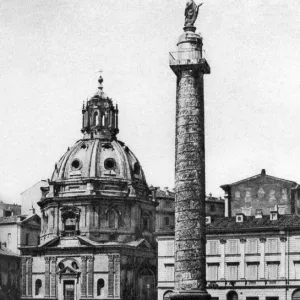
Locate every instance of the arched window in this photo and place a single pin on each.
(100, 286)
(146, 221)
(70, 222)
(167, 221)
(167, 295)
(38, 287)
(96, 119)
(112, 219)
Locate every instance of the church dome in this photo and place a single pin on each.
(99, 164)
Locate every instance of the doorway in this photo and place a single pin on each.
(232, 295)
(69, 290)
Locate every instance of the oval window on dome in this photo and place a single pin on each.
(109, 164)
(75, 164)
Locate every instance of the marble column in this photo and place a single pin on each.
(90, 276)
(47, 276)
(83, 276)
(190, 256)
(29, 276)
(110, 276)
(262, 258)
(117, 271)
(53, 277)
(24, 260)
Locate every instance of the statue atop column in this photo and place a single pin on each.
(191, 13)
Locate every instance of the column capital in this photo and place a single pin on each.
(243, 240)
(223, 241)
(83, 258)
(262, 239)
(53, 259)
(47, 259)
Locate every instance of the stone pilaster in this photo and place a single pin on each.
(283, 240)
(24, 260)
(83, 276)
(53, 276)
(222, 265)
(117, 271)
(47, 276)
(262, 258)
(90, 277)
(110, 276)
(29, 276)
(242, 263)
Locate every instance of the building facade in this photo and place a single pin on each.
(22, 230)
(10, 274)
(263, 193)
(7, 210)
(165, 211)
(97, 219)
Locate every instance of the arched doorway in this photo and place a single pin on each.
(296, 295)
(167, 295)
(232, 295)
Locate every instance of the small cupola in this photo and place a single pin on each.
(100, 116)
(239, 218)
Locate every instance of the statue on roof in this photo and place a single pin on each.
(191, 13)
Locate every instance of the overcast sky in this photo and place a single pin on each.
(50, 53)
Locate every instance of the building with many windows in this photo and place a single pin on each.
(247, 258)
(263, 193)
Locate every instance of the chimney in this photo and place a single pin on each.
(207, 219)
(166, 189)
(258, 214)
(226, 199)
(273, 215)
(263, 172)
(239, 218)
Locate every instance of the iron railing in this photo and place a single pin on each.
(186, 55)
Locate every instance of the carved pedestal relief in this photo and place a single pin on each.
(24, 259)
(90, 276)
(110, 276)
(53, 277)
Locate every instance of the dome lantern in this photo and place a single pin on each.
(100, 116)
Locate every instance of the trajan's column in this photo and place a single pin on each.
(190, 67)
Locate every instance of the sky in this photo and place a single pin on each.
(51, 52)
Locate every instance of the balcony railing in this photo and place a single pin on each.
(186, 55)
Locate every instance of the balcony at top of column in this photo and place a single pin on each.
(190, 59)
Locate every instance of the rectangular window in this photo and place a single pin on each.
(252, 246)
(272, 271)
(252, 271)
(233, 247)
(170, 249)
(232, 272)
(297, 270)
(297, 243)
(272, 246)
(27, 239)
(252, 298)
(8, 239)
(212, 272)
(169, 272)
(213, 247)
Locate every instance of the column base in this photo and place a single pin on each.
(190, 295)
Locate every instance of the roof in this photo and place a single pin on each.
(262, 174)
(7, 252)
(228, 224)
(18, 218)
(42, 182)
(164, 193)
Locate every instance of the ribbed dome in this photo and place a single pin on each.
(95, 158)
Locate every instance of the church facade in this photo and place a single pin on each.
(98, 220)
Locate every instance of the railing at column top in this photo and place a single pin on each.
(191, 54)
